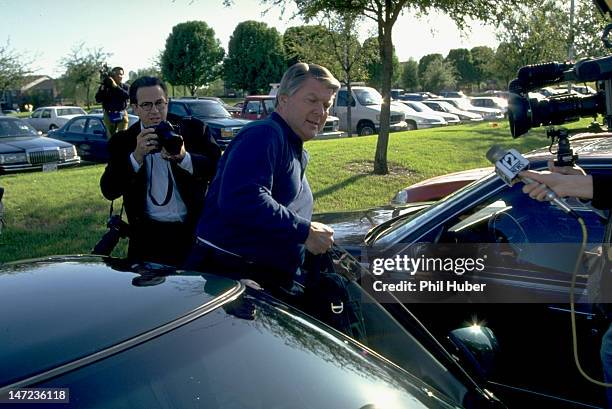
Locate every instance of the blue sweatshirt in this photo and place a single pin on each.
(259, 204)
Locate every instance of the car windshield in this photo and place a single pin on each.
(463, 103)
(15, 127)
(209, 109)
(70, 111)
(388, 233)
(368, 96)
(420, 107)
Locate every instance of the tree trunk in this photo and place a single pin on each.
(386, 53)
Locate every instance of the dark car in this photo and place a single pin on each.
(23, 148)
(529, 250)
(88, 134)
(104, 333)
(218, 122)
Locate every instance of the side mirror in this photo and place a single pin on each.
(476, 346)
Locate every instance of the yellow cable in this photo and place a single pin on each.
(573, 310)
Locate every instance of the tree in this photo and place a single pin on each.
(426, 60)
(410, 75)
(349, 54)
(13, 67)
(192, 56)
(482, 58)
(532, 35)
(438, 76)
(588, 26)
(374, 66)
(461, 60)
(255, 57)
(83, 68)
(311, 44)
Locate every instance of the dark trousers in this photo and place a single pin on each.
(160, 242)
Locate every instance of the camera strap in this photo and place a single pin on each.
(110, 211)
(169, 189)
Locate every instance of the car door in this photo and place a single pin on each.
(95, 142)
(45, 119)
(268, 105)
(74, 133)
(529, 250)
(35, 120)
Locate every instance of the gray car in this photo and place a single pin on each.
(47, 118)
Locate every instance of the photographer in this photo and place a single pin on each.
(162, 184)
(114, 96)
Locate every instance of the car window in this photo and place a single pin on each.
(269, 103)
(94, 125)
(253, 107)
(368, 96)
(342, 99)
(70, 111)
(77, 126)
(177, 109)
(46, 113)
(36, 114)
(15, 127)
(208, 108)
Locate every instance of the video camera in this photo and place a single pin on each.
(117, 229)
(105, 74)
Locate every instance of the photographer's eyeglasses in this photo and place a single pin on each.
(159, 105)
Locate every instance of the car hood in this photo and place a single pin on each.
(351, 227)
(223, 122)
(23, 143)
(65, 322)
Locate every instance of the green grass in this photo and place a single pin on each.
(64, 212)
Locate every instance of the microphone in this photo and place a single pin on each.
(508, 165)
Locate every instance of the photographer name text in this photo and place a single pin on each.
(429, 286)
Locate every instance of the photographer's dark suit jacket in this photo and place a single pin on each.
(119, 178)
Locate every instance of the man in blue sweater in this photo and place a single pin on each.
(256, 217)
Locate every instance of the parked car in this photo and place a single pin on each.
(9, 112)
(443, 106)
(23, 148)
(235, 111)
(365, 111)
(530, 249)
(47, 118)
(219, 123)
(396, 93)
(464, 104)
(114, 334)
(88, 134)
(261, 106)
(418, 120)
(452, 94)
(451, 119)
(491, 102)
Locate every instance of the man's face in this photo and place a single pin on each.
(118, 76)
(152, 106)
(306, 111)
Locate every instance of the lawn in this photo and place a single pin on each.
(64, 212)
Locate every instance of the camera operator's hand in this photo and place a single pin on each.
(110, 82)
(146, 142)
(320, 238)
(174, 158)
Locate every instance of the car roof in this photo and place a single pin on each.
(260, 97)
(87, 304)
(59, 106)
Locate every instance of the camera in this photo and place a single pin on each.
(105, 74)
(117, 229)
(525, 113)
(168, 138)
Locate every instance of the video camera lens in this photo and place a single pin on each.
(525, 113)
(168, 139)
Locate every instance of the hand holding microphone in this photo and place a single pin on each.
(511, 166)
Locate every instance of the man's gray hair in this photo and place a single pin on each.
(295, 76)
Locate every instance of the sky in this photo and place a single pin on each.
(135, 31)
